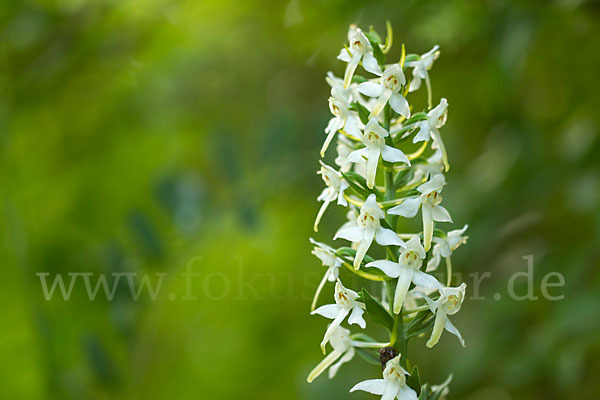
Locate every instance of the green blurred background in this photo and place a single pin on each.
(147, 135)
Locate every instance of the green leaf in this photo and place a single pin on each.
(412, 192)
(424, 393)
(377, 53)
(349, 252)
(359, 185)
(355, 185)
(422, 323)
(414, 380)
(416, 117)
(439, 233)
(356, 178)
(412, 57)
(368, 355)
(362, 337)
(363, 113)
(403, 177)
(373, 36)
(358, 78)
(378, 313)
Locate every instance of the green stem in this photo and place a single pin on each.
(398, 334)
(402, 342)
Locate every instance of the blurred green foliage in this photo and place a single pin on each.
(147, 135)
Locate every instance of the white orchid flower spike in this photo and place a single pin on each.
(368, 227)
(429, 201)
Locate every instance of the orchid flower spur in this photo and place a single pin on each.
(429, 201)
(449, 303)
(421, 66)
(345, 303)
(374, 141)
(407, 271)
(444, 247)
(343, 349)
(360, 49)
(380, 178)
(388, 89)
(367, 229)
(392, 386)
(429, 128)
(334, 190)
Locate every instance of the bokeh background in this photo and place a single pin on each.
(143, 136)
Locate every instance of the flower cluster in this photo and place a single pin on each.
(390, 166)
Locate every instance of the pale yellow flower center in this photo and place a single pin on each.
(433, 198)
(365, 220)
(373, 139)
(391, 82)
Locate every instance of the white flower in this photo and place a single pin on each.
(345, 303)
(444, 247)
(388, 88)
(429, 200)
(342, 118)
(407, 271)
(327, 256)
(343, 346)
(434, 164)
(334, 190)
(436, 118)
(448, 303)
(392, 386)
(344, 148)
(352, 217)
(368, 228)
(374, 141)
(421, 66)
(338, 90)
(360, 49)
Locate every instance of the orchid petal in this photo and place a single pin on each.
(370, 89)
(400, 105)
(389, 268)
(357, 317)
(440, 214)
(425, 280)
(370, 64)
(392, 154)
(374, 386)
(387, 237)
(330, 311)
(352, 234)
(408, 208)
(404, 281)
(452, 329)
